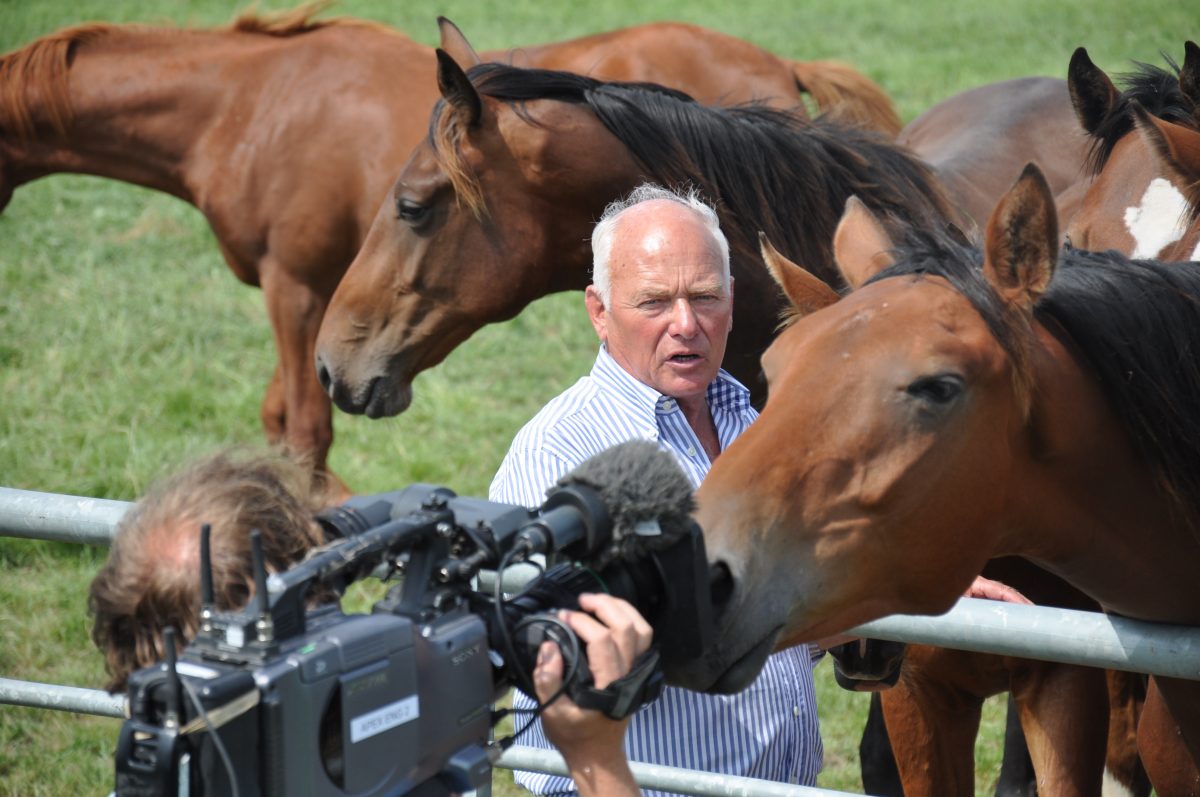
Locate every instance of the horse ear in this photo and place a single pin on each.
(1189, 76)
(1178, 146)
(1092, 93)
(456, 87)
(861, 247)
(806, 293)
(456, 45)
(1021, 245)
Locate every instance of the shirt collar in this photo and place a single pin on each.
(724, 392)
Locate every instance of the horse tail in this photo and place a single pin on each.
(40, 70)
(845, 94)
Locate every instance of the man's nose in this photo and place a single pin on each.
(683, 319)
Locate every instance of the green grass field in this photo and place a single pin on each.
(127, 347)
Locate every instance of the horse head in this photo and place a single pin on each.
(892, 417)
(1145, 155)
(491, 211)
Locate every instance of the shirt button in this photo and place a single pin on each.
(795, 711)
(691, 451)
(793, 779)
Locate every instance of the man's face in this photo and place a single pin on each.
(671, 310)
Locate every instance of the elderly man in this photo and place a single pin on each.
(662, 305)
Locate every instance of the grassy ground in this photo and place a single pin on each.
(126, 346)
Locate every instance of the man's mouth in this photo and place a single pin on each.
(684, 358)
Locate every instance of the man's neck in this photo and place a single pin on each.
(699, 417)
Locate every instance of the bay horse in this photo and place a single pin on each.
(495, 208)
(1145, 152)
(977, 142)
(930, 699)
(285, 132)
(959, 405)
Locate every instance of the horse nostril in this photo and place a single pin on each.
(323, 376)
(720, 583)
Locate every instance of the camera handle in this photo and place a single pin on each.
(642, 684)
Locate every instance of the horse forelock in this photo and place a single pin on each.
(446, 135)
(1155, 89)
(1134, 323)
(960, 264)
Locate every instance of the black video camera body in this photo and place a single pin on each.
(283, 699)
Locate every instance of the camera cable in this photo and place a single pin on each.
(226, 761)
(525, 678)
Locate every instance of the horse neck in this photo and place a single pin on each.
(1085, 506)
(139, 101)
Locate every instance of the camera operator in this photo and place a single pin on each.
(151, 581)
(151, 578)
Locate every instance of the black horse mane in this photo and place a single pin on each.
(1155, 89)
(1133, 324)
(765, 169)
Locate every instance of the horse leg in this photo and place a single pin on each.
(932, 725)
(1163, 741)
(274, 408)
(1017, 776)
(876, 760)
(1124, 775)
(295, 310)
(1064, 713)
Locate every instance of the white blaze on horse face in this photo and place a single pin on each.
(1158, 221)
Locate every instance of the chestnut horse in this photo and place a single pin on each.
(958, 406)
(1146, 153)
(495, 208)
(978, 141)
(285, 133)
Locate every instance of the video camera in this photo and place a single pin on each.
(282, 699)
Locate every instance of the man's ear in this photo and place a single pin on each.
(597, 313)
(731, 301)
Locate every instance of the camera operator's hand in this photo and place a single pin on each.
(615, 635)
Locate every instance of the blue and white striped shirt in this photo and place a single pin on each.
(770, 729)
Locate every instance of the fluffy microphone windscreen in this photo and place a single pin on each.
(647, 495)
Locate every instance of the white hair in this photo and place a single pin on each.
(602, 235)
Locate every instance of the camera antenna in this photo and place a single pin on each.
(207, 597)
(173, 689)
(262, 602)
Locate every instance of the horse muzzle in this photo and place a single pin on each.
(376, 396)
(867, 665)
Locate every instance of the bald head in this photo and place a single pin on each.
(649, 218)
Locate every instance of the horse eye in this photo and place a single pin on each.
(941, 389)
(409, 211)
